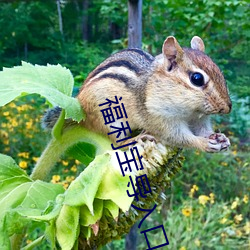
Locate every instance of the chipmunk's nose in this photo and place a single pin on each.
(230, 106)
(227, 108)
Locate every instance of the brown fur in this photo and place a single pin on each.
(158, 95)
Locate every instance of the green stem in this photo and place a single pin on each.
(57, 147)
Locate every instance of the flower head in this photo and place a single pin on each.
(23, 164)
(186, 211)
(73, 168)
(65, 163)
(247, 227)
(193, 190)
(223, 220)
(203, 199)
(245, 199)
(238, 218)
(55, 178)
(211, 195)
(235, 203)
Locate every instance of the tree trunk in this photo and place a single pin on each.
(134, 41)
(131, 238)
(59, 16)
(135, 23)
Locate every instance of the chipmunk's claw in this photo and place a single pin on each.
(145, 137)
(218, 142)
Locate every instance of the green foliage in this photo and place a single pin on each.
(52, 82)
(205, 223)
(81, 58)
(223, 25)
(238, 121)
(19, 198)
(30, 32)
(232, 166)
(208, 205)
(83, 152)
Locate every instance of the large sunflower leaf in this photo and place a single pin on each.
(53, 82)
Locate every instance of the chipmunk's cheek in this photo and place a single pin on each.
(208, 109)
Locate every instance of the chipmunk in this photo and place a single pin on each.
(169, 97)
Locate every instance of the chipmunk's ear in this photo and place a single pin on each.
(197, 43)
(171, 49)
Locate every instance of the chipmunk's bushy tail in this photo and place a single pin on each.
(50, 117)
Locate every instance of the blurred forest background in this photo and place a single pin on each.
(208, 204)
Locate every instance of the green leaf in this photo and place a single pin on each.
(20, 198)
(9, 168)
(14, 223)
(26, 202)
(11, 200)
(86, 218)
(50, 213)
(114, 187)
(83, 152)
(53, 82)
(83, 189)
(86, 231)
(112, 208)
(11, 183)
(102, 180)
(14, 198)
(39, 194)
(50, 234)
(4, 240)
(67, 226)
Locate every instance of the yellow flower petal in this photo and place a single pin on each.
(73, 168)
(203, 199)
(234, 205)
(56, 178)
(245, 199)
(238, 218)
(65, 163)
(223, 220)
(247, 227)
(23, 164)
(186, 211)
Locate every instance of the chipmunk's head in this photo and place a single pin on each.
(199, 78)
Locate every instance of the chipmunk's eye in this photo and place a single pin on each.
(197, 79)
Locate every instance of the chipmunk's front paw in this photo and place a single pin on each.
(141, 139)
(145, 137)
(218, 142)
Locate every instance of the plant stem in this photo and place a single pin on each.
(57, 147)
